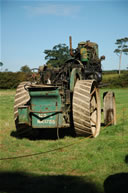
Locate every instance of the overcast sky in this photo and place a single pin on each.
(30, 27)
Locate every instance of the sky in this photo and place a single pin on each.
(28, 27)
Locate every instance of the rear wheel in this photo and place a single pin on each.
(21, 98)
(86, 108)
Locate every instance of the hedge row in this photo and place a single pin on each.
(117, 82)
(9, 80)
(114, 71)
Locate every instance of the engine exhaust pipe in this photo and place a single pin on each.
(70, 42)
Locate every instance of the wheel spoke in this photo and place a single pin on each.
(93, 92)
(93, 121)
(93, 111)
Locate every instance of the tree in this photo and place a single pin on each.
(6, 70)
(25, 69)
(122, 47)
(58, 55)
(1, 64)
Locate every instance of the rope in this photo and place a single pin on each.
(45, 152)
(49, 151)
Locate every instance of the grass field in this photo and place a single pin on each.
(86, 166)
(109, 76)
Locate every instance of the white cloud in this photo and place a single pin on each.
(53, 9)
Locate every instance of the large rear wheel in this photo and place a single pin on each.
(21, 98)
(86, 108)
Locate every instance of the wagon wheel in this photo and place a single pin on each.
(109, 108)
(86, 108)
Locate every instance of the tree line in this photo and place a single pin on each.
(10, 80)
(55, 57)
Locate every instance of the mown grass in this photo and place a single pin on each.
(82, 167)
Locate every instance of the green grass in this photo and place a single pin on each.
(82, 167)
(109, 76)
(116, 81)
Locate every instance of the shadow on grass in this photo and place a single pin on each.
(46, 134)
(126, 159)
(19, 182)
(117, 183)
